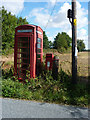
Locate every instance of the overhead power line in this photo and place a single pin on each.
(50, 15)
(21, 12)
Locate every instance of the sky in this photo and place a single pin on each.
(51, 16)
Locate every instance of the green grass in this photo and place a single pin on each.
(57, 50)
(10, 63)
(49, 50)
(7, 51)
(45, 88)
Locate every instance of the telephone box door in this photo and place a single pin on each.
(23, 55)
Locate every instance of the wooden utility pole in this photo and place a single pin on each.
(74, 43)
(72, 15)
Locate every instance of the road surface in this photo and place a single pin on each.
(29, 109)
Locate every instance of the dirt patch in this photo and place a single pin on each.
(7, 58)
(65, 61)
(7, 61)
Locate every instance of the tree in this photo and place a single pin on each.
(50, 44)
(62, 41)
(80, 45)
(21, 21)
(45, 41)
(9, 22)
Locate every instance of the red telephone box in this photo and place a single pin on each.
(49, 61)
(28, 50)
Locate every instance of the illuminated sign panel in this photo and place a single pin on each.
(24, 30)
(39, 32)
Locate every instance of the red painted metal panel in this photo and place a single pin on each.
(15, 57)
(31, 60)
(40, 35)
(31, 32)
(34, 52)
(49, 61)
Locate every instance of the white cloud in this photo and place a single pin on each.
(82, 35)
(40, 17)
(52, 2)
(82, 19)
(69, 33)
(59, 20)
(50, 39)
(13, 6)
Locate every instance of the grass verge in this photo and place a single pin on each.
(46, 89)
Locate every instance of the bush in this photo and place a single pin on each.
(61, 50)
(45, 88)
(7, 73)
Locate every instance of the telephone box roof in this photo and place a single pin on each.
(29, 25)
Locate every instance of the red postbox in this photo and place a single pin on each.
(49, 61)
(28, 50)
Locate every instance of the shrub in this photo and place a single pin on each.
(61, 50)
(45, 88)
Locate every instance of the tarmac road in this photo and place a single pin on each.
(28, 109)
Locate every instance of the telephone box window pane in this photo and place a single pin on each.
(38, 45)
(38, 56)
(38, 61)
(22, 39)
(18, 71)
(39, 50)
(21, 44)
(18, 65)
(20, 50)
(39, 40)
(19, 60)
(19, 55)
